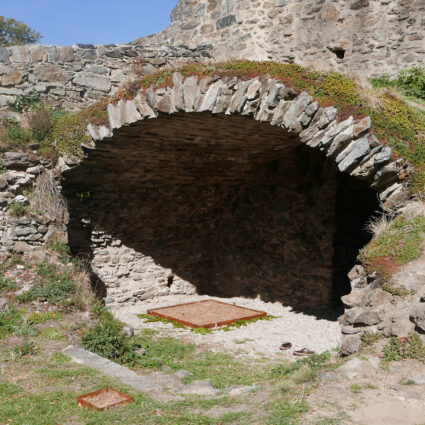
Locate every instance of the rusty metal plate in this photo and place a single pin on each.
(104, 399)
(206, 314)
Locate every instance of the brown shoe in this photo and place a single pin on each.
(304, 352)
(285, 346)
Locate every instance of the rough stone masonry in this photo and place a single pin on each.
(245, 205)
(370, 37)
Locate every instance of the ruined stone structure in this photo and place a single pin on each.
(74, 77)
(368, 37)
(365, 36)
(219, 186)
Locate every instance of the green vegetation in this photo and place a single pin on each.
(10, 321)
(61, 248)
(287, 412)
(369, 339)
(16, 209)
(13, 33)
(70, 131)
(203, 331)
(55, 285)
(7, 285)
(36, 317)
(399, 291)
(315, 362)
(395, 247)
(409, 348)
(24, 103)
(26, 349)
(411, 81)
(52, 334)
(107, 339)
(358, 388)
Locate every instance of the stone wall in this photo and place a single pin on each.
(365, 36)
(223, 185)
(74, 77)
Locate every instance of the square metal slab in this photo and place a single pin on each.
(206, 314)
(104, 399)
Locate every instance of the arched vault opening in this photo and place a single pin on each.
(228, 187)
(219, 205)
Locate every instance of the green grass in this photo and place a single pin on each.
(411, 81)
(59, 358)
(37, 317)
(55, 285)
(286, 413)
(28, 348)
(397, 349)
(316, 362)
(52, 334)
(107, 339)
(7, 285)
(203, 331)
(400, 244)
(10, 321)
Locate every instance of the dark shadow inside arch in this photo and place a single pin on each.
(234, 206)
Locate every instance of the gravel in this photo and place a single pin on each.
(261, 338)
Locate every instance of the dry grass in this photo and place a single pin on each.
(47, 199)
(371, 97)
(378, 225)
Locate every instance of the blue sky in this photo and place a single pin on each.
(65, 22)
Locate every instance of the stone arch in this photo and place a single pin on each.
(347, 145)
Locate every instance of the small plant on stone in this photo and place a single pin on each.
(370, 338)
(15, 135)
(23, 103)
(16, 209)
(7, 285)
(407, 382)
(399, 291)
(60, 248)
(406, 348)
(40, 123)
(356, 388)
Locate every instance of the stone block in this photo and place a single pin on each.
(50, 72)
(93, 81)
(226, 21)
(4, 54)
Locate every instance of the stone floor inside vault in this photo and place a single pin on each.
(261, 338)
